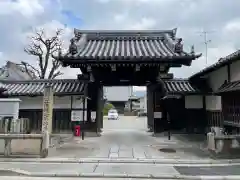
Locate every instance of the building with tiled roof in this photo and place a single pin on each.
(223, 78)
(13, 71)
(68, 96)
(131, 58)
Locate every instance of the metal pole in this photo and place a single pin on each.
(84, 99)
(169, 128)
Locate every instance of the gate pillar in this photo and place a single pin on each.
(150, 108)
(156, 113)
(99, 112)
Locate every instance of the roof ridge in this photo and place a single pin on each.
(96, 34)
(108, 31)
(221, 62)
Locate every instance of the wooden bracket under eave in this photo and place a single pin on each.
(113, 67)
(89, 68)
(137, 68)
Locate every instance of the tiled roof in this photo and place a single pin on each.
(221, 62)
(182, 86)
(36, 87)
(127, 45)
(229, 87)
(75, 87)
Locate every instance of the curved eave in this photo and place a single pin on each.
(184, 60)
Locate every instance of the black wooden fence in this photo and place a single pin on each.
(61, 119)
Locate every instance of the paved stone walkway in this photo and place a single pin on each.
(127, 138)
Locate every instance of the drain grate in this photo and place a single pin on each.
(167, 150)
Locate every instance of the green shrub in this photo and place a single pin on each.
(107, 107)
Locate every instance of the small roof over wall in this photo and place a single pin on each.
(229, 87)
(180, 86)
(221, 62)
(76, 87)
(36, 87)
(131, 46)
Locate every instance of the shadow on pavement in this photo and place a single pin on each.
(207, 171)
(189, 145)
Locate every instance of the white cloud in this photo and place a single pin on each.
(145, 23)
(24, 7)
(135, 1)
(232, 26)
(127, 23)
(18, 18)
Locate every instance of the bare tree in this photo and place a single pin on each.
(45, 50)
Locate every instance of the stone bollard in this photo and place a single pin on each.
(211, 141)
(7, 149)
(45, 145)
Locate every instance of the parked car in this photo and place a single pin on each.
(113, 114)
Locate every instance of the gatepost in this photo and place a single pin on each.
(47, 119)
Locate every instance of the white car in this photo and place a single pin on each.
(112, 114)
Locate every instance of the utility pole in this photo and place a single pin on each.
(206, 42)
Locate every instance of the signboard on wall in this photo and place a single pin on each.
(47, 110)
(157, 115)
(77, 115)
(93, 116)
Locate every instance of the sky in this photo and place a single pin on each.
(220, 18)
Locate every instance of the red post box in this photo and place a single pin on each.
(77, 130)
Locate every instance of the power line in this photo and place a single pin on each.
(206, 42)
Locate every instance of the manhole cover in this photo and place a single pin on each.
(167, 150)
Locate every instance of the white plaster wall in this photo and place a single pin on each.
(213, 103)
(9, 107)
(143, 103)
(235, 71)
(193, 102)
(59, 102)
(217, 78)
(118, 93)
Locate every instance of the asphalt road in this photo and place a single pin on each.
(140, 169)
(213, 170)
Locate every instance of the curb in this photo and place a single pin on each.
(141, 176)
(106, 160)
(103, 175)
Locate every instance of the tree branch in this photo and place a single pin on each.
(30, 70)
(56, 74)
(51, 45)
